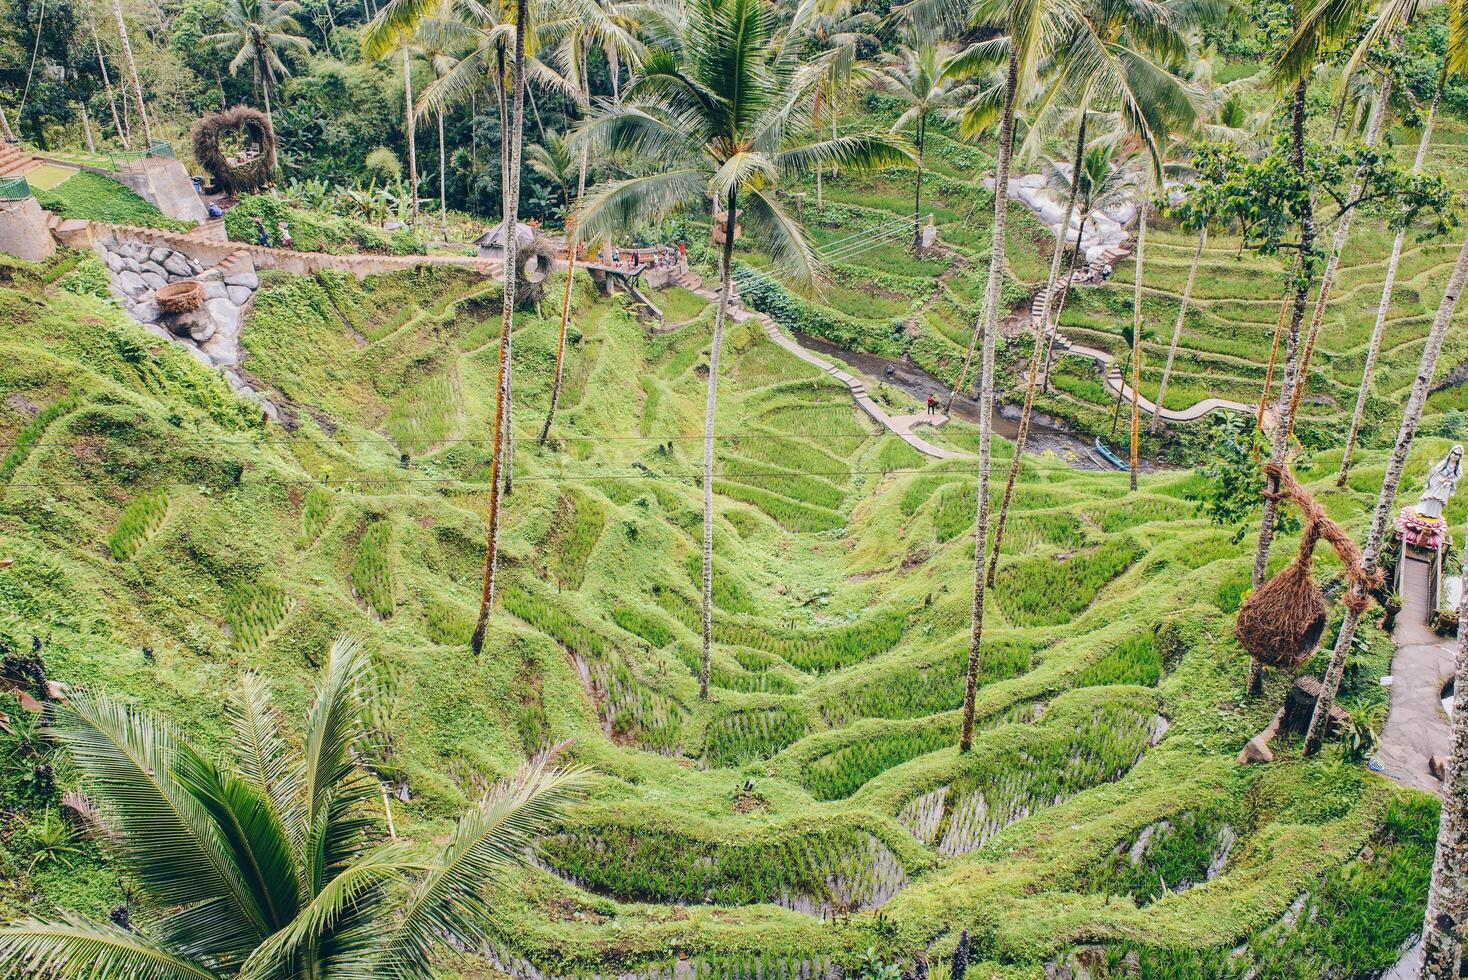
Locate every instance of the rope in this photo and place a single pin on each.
(1318, 525)
(35, 52)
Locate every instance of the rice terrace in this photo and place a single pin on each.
(733, 489)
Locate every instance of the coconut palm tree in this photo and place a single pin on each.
(132, 70)
(1456, 62)
(914, 75)
(259, 33)
(557, 161)
(268, 862)
(839, 33)
(1030, 29)
(440, 53)
(1381, 519)
(587, 26)
(1442, 926)
(724, 114)
(1102, 185)
(1373, 345)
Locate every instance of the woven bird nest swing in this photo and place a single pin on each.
(247, 171)
(1282, 621)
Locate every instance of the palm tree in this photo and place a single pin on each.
(260, 32)
(132, 70)
(557, 161)
(587, 26)
(117, 122)
(1101, 185)
(1442, 926)
(1373, 346)
(1029, 28)
(725, 115)
(839, 34)
(440, 52)
(1411, 416)
(1456, 61)
(914, 74)
(486, 32)
(1201, 227)
(267, 862)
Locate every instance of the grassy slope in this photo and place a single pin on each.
(839, 722)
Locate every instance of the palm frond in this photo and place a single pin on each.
(159, 832)
(76, 947)
(855, 151)
(782, 239)
(345, 894)
(448, 903)
(621, 206)
(259, 752)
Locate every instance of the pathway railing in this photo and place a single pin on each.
(14, 189)
(158, 148)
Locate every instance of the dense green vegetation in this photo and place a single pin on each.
(821, 777)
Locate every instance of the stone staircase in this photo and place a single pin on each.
(15, 162)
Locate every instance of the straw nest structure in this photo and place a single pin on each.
(1282, 621)
(248, 171)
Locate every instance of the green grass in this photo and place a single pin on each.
(96, 198)
(1048, 591)
(821, 778)
(142, 516)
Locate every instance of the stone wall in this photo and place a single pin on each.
(23, 231)
(138, 269)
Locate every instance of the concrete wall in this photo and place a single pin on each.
(163, 182)
(23, 231)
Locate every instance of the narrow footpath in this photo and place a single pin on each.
(901, 425)
(1417, 727)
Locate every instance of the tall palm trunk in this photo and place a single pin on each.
(1284, 423)
(1137, 333)
(726, 262)
(5, 131)
(107, 83)
(508, 189)
(1177, 330)
(1043, 330)
(1342, 231)
(1411, 416)
(492, 530)
(266, 88)
(87, 127)
(132, 69)
(1447, 896)
(411, 121)
(443, 207)
(1373, 347)
(917, 194)
(986, 396)
(555, 398)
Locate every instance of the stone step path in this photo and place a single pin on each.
(900, 425)
(1117, 386)
(1416, 727)
(199, 245)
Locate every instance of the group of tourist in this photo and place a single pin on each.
(262, 235)
(659, 257)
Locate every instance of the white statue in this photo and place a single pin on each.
(1442, 480)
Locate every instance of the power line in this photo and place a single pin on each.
(483, 485)
(369, 440)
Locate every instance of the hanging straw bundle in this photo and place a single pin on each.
(1282, 621)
